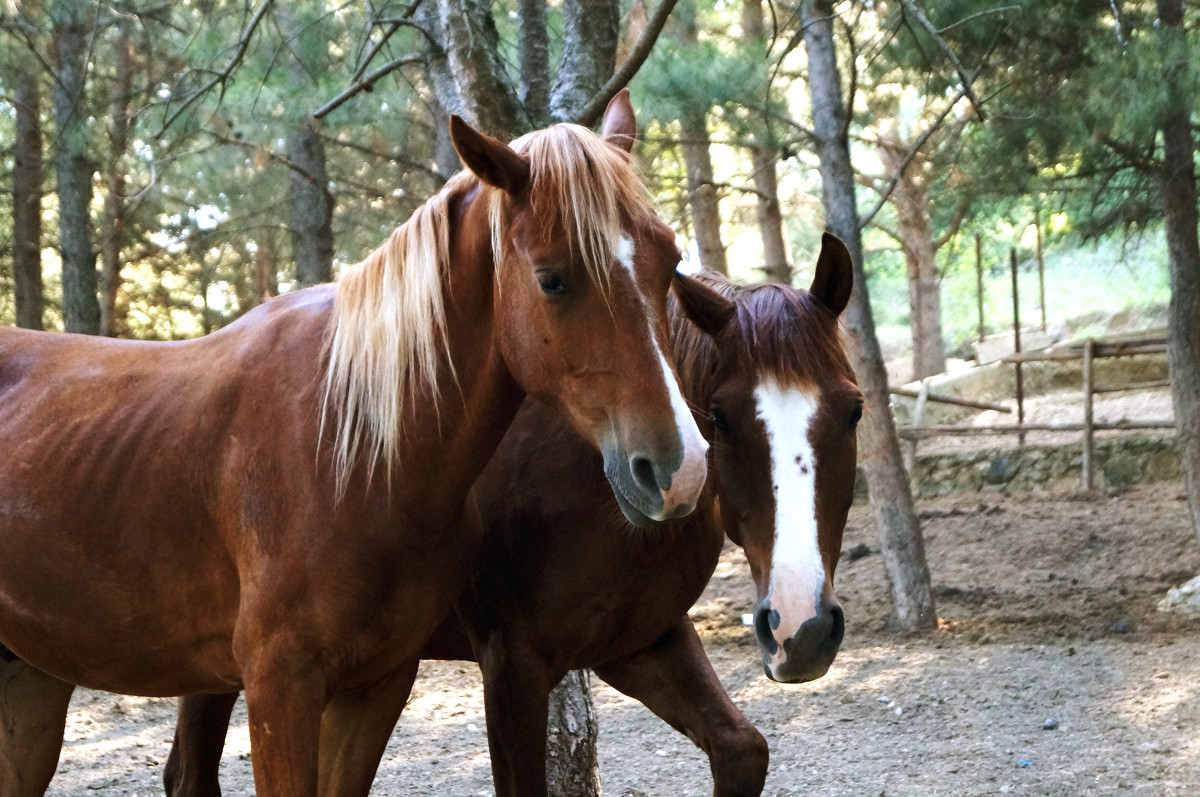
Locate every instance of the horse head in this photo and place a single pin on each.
(783, 406)
(583, 265)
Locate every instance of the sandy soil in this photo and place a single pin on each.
(1047, 615)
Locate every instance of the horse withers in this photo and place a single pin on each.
(565, 581)
(280, 506)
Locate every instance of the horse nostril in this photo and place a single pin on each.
(839, 624)
(643, 473)
(766, 620)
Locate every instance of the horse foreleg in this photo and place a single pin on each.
(516, 694)
(285, 695)
(33, 715)
(355, 729)
(195, 757)
(674, 679)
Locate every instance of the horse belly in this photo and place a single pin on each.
(107, 619)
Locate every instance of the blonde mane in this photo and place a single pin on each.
(387, 333)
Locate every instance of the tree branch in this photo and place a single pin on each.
(966, 90)
(223, 76)
(907, 159)
(387, 34)
(366, 83)
(629, 67)
(960, 213)
(274, 156)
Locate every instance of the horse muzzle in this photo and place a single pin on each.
(654, 489)
(806, 654)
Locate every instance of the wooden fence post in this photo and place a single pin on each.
(1012, 259)
(918, 417)
(1088, 427)
(979, 282)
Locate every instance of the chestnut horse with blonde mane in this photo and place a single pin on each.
(564, 583)
(280, 506)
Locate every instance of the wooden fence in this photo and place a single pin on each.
(1088, 351)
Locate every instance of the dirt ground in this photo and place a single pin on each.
(1047, 614)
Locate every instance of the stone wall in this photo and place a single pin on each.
(1120, 463)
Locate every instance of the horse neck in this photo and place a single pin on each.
(478, 396)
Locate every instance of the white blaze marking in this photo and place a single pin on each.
(797, 572)
(691, 474)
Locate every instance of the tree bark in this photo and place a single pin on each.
(764, 156)
(591, 31)
(445, 157)
(703, 199)
(534, 55)
(310, 207)
(572, 768)
(73, 168)
(111, 320)
(28, 171)
(914, 231)
(480, 78)
(770, 219)
(310, 201)
(1179, 197)
(879, 448)
(702, 194)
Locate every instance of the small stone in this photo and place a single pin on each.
(857, 552)
(1122, 627)
(1050, 724)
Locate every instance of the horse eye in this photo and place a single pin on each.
(856, 415)
(719, 419)
(550, 283)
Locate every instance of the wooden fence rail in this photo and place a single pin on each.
(1088, 351)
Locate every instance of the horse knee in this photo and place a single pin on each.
(739, 763)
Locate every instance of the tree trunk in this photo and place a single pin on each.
(572, 769)
(445, 157)
(27, 193)
(310, 206)
(111, 321)
(480, 76)
(266, 271)
(914, 231)
(891, 494)
(770, 219)
(702, 194)
(534, 55)
(73, 169)
(1183, 251)
(591, 30)
(764, 157)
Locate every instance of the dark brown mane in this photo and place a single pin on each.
(778, 331)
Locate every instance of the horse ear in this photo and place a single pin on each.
(490, 160)
(708, 310)
(620, 125)
(834, 280)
